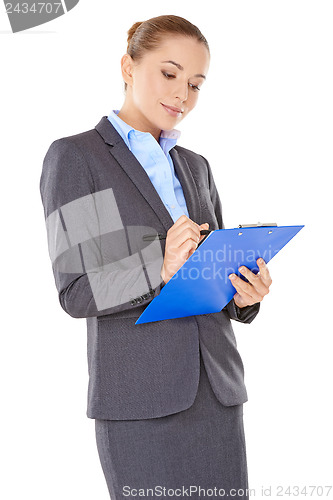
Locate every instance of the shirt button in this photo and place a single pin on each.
(173, 206)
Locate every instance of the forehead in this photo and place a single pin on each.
(188, 52)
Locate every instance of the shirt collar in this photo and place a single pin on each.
(167, 140)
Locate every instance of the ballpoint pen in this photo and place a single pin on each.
(159, 236)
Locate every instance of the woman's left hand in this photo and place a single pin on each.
(254, 291)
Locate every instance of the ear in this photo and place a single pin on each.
(126, 68)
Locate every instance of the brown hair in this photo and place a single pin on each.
(147, 35)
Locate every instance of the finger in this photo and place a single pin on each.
(182, 221)
(255, 280)
(243, 300)
(179, 233)
(264, 272)
(187, 248)
(243, 287)
(184, 234)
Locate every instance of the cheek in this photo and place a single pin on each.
(153, 85)
(159, 88)
(192, 98)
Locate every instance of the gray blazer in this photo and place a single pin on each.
(108, 276)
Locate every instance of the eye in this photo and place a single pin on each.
(194, 87)
(167, 75)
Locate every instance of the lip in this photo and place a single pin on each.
(172, 110)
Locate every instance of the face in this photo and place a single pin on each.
(164, 86)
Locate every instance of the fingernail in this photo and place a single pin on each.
(232, 276)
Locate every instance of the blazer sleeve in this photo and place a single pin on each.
(96, 270)
(244, 314)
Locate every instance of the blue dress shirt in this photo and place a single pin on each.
(156, 160)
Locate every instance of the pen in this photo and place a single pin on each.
(159, 236)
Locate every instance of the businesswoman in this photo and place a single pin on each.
(167, 396)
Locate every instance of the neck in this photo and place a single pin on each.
(132, 117)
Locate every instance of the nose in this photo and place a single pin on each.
(182, 92)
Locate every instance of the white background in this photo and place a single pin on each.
(264, 122)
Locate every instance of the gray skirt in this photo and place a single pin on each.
(196, 453)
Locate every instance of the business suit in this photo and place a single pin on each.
(150, 370)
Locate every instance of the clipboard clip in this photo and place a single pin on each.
(259, 224)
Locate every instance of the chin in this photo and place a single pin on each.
(172, 123)
(166, 123)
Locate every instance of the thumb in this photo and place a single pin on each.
(204, 226)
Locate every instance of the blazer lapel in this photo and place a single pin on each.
(188, 184)
(140, 178)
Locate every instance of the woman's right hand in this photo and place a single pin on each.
(181, 241)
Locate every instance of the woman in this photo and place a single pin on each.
(167, 397)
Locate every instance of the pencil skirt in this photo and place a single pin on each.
(196, 453)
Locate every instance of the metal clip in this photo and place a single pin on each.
(259, 224)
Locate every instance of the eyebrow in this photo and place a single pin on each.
(181, 68)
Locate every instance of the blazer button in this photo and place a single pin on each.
(133, 302)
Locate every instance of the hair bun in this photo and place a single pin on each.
(132, 30)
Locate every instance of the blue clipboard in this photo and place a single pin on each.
(201, 285)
